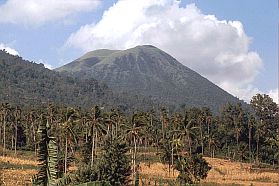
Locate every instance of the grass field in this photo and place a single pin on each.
(223, 172)
(19, 171)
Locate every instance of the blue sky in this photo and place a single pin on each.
(243, 62)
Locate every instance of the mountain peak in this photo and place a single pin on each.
(147, 70)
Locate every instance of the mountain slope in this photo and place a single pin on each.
(26, 83)
(149, 71)
(88, 60)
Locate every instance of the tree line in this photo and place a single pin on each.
(92, 137)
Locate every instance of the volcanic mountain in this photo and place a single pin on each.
(150, 72)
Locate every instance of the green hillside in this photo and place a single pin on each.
(27, 83)
(150, 72)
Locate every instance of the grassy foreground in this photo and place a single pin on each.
(18, 171)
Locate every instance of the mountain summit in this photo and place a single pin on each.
(148, 71)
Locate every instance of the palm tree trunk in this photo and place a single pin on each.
(93, 149)
(209, 146)
(13, 141)
(208, 129)
(172, 151)
(249, 144)
(96, 140)
(135, 152)
(86, 135)
(172, 155)
(145, 148)
(66, 151)
(257, 159)
(190, 144)
(213, 152)
(201, 138)
(15, 136)
(116, 128)
(1, 135)
(237, 145)
(4, 135)
(34, 139)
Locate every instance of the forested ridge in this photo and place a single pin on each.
(26, 83)
(30, 84)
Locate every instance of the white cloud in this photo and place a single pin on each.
(217, 49)
(8, 49)
(274, 94)
(248, 92)
(47, 65)
(37, 12)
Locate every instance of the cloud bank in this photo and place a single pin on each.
(47, 65)
(217, 49)
(8, 49)
(274, 94)
(38, 12)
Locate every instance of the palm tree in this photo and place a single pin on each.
(69, 118)
(5, 111)
(188, 131)
(238, 116)
(34, 125)
(251, 124)
(134, 131)
(212, 143)
(258, 133)
(176, 145)
(84, 126)
(95, 121)
(164, 120)
(17, 116)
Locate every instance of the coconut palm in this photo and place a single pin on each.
(68, 119)
(17, 117)
(95, 121)
(5, 111)
(251, 124)
(258, 133)
(188, 131)
(133, 132)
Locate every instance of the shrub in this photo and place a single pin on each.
(191, 169)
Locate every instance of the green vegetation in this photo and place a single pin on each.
(47, 154)
(28, 84)
(104, 145)
(152, 74)
(114, 165)
(191, 169)
(109, 145)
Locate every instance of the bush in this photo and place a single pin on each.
(114, 166)
(191, 169)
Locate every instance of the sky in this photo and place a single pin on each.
(232, 43)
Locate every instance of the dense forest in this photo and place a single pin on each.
(28, 84)
(105, 143)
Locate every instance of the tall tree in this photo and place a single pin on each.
(266, 111)
(17, 117)
(68, 120)
(251, 125)
(5, 111)
(114, 165)
(134, 131)
(95, 122)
